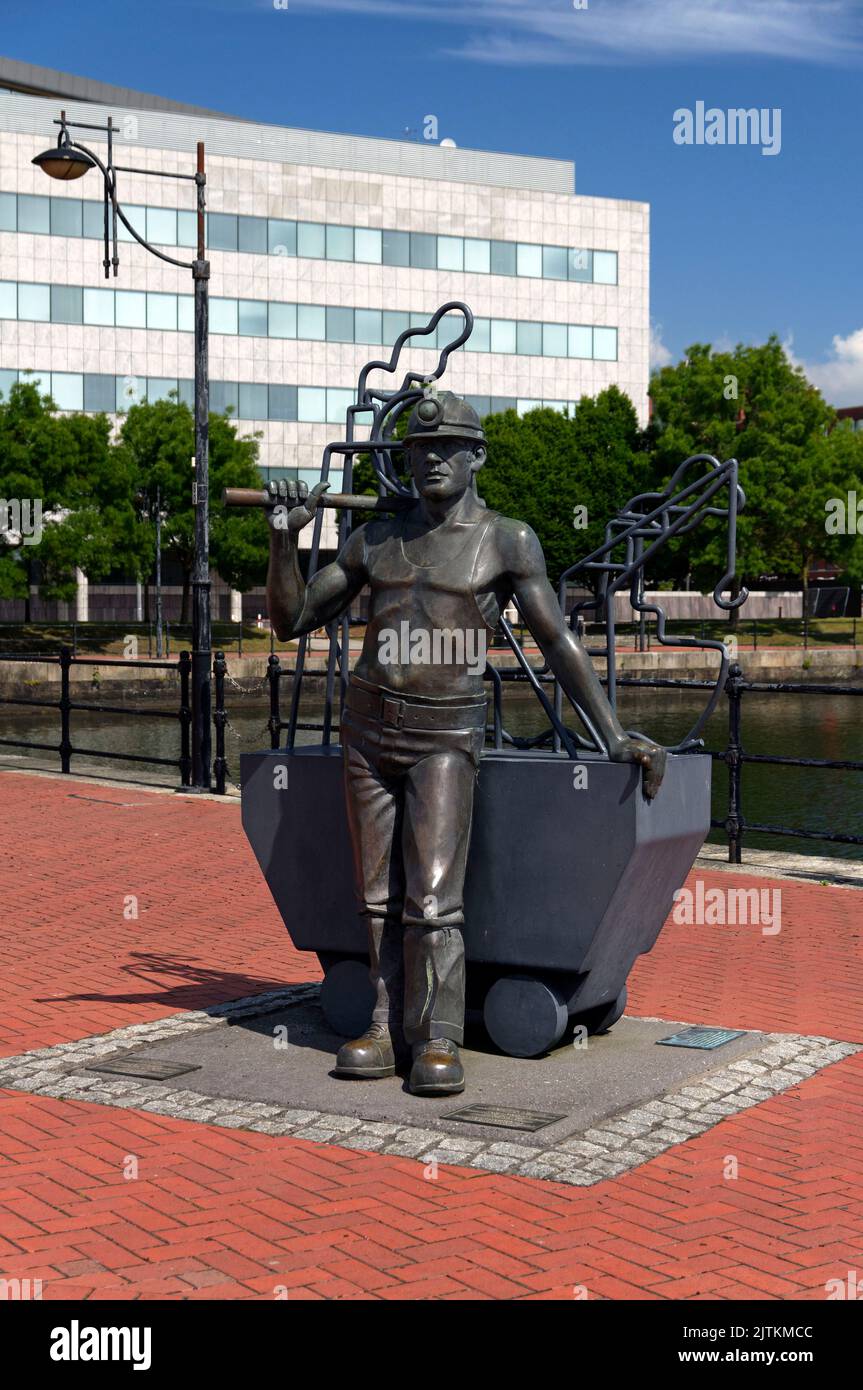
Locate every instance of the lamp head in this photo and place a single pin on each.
(65, 162)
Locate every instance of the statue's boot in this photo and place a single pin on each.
(370, 1056)
(437, 1068)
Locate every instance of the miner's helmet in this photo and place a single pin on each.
(446, 414)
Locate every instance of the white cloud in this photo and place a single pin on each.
(839, 376)
(660, 355)
(530, 32)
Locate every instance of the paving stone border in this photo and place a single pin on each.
(623, 1141)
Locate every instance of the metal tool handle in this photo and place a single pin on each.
(252, 497)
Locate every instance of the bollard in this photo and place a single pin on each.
(734, 823)
(220, 719)
(274, 723)
(65, 749)
(185, 720)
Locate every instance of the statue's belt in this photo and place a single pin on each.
(402, 713)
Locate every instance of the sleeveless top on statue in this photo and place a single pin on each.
(439, 600)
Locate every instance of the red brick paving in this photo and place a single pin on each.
(228, 1214)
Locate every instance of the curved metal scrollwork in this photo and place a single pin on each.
(632, 538)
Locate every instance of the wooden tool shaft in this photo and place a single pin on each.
(254, 497)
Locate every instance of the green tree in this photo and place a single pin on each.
(156, 445)
(752, 404)
(543, 466)
(89, 518)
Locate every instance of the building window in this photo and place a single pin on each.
(8, 299)
(368, 245)
(282, 402)
(130, 308)
(529, 339)
(396, 248)
(367, 326)
(477, 255)
(554, 340)
(93, 220)
(581, 266)
(222, 231)
(312, 322)
(528, 259)
(605, 267)
(34, 303)
(311, 240)
(283, 320)
(555, 262)
(67, 390)
(34, 213)
(503, 258)
(340, 243)
(223, 316)
(605, 344)
(136, 217)
(252, 317)
(161, 388)
(162, 226)
(281, 237)
(340, 325)
(253, 401)
(312, 404)
(162, 311)
(503, 335)
(252, 235)
(580, 341)
(67, 304)
(224, 397)
(99, 307)
(66, 217)
(100, 393)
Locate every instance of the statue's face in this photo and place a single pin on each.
(444, 467)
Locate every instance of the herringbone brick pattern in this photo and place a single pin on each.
(104, 1203)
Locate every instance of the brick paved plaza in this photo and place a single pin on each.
(239, 1213)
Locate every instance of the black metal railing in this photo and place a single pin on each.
(733, 755)
(66, 706)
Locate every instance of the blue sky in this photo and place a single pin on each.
(743, 243)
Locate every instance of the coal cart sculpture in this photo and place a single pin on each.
(571, 868)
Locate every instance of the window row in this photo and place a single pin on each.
(260, 318)
(25, 212)
(98, 392)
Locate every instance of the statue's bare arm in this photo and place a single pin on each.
(525, 569)
(294, 606)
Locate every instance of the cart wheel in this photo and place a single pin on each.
(524, 1016)
(604, 1016)
(347, 997)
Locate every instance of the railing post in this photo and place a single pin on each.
(274, 722)
(734, 823)
(240, 639)
(65, 711)
(185, 720)
(220, 719)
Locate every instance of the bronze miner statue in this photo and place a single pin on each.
(439, 575)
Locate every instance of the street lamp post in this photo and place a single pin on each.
(71, 160)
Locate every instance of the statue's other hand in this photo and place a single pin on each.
(291, 506)
(651, 757)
